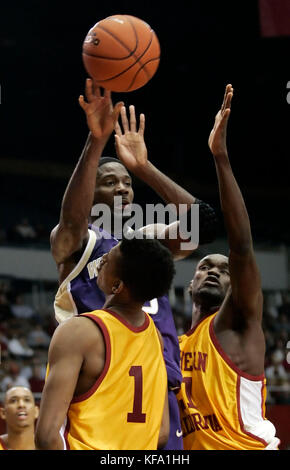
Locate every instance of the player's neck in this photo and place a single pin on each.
(23, 440)
(131, 311)
(114, 226)
(200, 311)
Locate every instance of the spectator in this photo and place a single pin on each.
(18, 347)
(20, 309)
(285, 307)
(3, 344)
(5, 308)
(24, 230)
(13, 378)
(36, 381)
(38, 338)
(276, 373)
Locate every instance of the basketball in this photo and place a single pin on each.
(121, 53)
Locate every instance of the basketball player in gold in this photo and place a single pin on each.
(107, 383)
(20, 412)
(222, 397)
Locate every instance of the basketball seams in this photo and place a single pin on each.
(107, 58)
(142, 66)
(141, 69)
(146, 48)
(123, 71)
(131, 52)
(140, 58)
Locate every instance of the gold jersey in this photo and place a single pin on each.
(2, 445)
(123, 409)
(221, 407)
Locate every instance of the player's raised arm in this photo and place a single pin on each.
(69, 235)
(132, 151)
(244, 273)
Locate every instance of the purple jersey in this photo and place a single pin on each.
(80, 289)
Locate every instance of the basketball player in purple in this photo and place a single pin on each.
(77, 243)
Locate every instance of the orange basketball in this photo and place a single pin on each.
(121, 53)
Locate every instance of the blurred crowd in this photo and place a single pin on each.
(25, 334)
(24, 233)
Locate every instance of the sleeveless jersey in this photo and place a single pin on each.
(2, 445)
(221, 407)
(79, 293)
(123, 409)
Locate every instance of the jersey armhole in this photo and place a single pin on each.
(107, 340)
(83, 260)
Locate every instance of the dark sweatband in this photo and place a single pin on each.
(208, 222)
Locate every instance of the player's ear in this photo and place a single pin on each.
(117, 287)
(2, 413)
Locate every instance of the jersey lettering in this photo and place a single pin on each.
(93, 267)
(137, 416)
(151, 309)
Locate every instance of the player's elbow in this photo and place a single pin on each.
(66, 240)
(46, 439)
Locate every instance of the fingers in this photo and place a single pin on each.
(132, 118)
(116, 113)
(117, 144)
(118, 130)
(93, 91)
(131, 125)
(226, 115)
(227, 100)
(107, 93)
(89, 89)
(82, 102)
(142, 124)
(124, 119)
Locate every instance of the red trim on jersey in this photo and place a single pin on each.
(3, 444)
(262, 400)
(106, 336)
(253, 436)
(66, 432)
(227, 359)
(192, 330)
(136, 329)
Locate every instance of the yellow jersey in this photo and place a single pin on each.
(123, 410)
(221, 407)
(2, 445)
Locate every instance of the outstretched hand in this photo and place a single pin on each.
(100, 112)
(130, 144)
(217, 138)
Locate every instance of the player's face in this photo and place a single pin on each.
(108, 278)
(113, 181)
(212, 278)
(19, 408)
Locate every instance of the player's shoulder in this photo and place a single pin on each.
(72, 328)
(77, 333)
